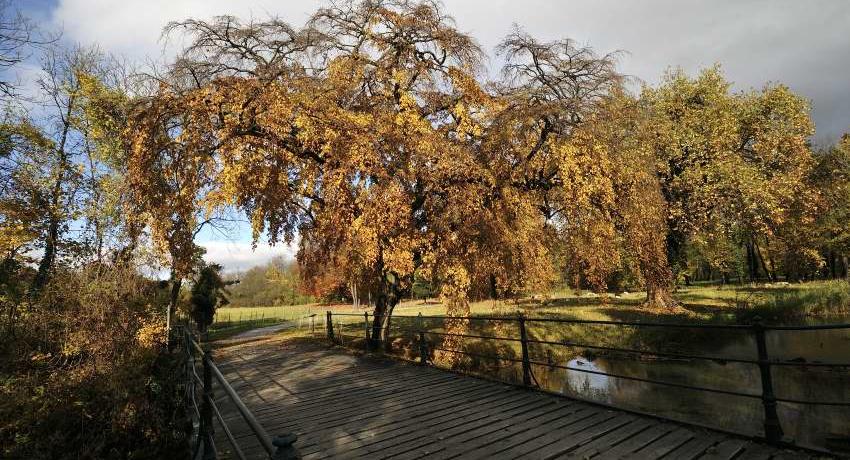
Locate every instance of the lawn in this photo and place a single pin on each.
(776, 303)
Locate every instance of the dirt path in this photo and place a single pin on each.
(262, 331)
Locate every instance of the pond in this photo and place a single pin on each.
(816, 426)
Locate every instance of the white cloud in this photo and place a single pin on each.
(134, 27)
(238, 255)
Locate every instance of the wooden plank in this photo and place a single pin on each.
(420, 426)
(379, 422)
(754, 451)
(787, 455)
(662, 446)
(611, 439)
(342, 395)
(573, 414)
(600, 416)
(696, 446)
(570, 442)
(345, 396)
(405, 422)
(450, 444)
(413, 400)
(724, 450)
(482, 438)
(317, 383)
(443, 422)
(636, 442)
(282, 419)
(434, 441)
(396, 400)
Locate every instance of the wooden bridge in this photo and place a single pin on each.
(341, 405)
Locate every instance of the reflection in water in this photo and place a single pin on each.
(589, 385)
(806, 425)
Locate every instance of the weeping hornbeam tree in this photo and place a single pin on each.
(370, 136)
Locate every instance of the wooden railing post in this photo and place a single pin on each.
(526, 362)
(206, 431)
(772, 426)
(330, 325)
(423, 346)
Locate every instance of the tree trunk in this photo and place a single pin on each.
(52, 237)
(49, 256)
(752, 262)
(761, 262)
(176, 284)
(833, 269)
(385, 302)
(660, 297)
(658, 278)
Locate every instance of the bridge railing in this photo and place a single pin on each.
(773, 432)
(203, 443)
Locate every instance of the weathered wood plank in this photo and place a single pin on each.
(725, 450)
(611, 439)
(491, 429)
(478, 439)
(600, 416)
(447, 423)
(664, 445)
(399, 421)
(637, 442)
(696, 446)
(564, 445)
(324, 419)
(378, 422)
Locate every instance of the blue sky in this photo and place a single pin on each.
(804, 44)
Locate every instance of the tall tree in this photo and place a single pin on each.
(732, 166)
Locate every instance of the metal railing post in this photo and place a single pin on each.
(366, 329)
(772, 426)
(330, 325)
(526, 364)
(423, 346)
(206, 431)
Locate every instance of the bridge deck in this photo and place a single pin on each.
(345, 406)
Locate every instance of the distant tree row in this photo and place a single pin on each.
(274, 283)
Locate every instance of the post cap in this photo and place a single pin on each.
(285, 440)
(285, 448)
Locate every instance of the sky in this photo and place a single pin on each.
(802, 44)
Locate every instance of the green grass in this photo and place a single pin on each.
(775, 303)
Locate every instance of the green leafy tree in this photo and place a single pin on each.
(207, 294)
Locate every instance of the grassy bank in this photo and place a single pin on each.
(773, 302)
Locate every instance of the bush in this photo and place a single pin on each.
(86, 372)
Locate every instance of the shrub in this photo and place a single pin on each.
(86, 372)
